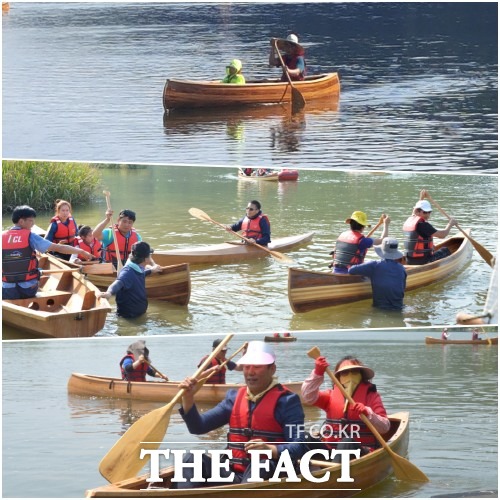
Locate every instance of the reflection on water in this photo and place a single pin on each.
(419, 83)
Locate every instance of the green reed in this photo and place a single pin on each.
(40, 184)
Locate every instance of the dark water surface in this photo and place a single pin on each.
(251, 295)
(84, 82)
(57, 440)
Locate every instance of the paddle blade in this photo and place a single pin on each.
(284, 259)
(199, 214)
(122, 460)
(298, 101)
(406, 471)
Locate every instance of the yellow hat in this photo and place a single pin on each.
(236, 64)
(359, 217)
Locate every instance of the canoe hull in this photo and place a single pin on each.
(366, 472)
(432, 340)
(279, 339)
(310, 290)
(179, 94)
(112, 387)
(172, 285)
(66, 306)
(227, 252)
(282, 176)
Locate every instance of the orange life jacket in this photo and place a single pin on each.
(136, 375)
(124, 245)
(347, 251)
(339, 424)
(94, 248)
(416, 247)
(259, 423)
(63, 231)
(251, 227)
(19, 262)
(218, 377)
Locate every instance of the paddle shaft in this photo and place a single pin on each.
(60, 271)
(159, 372)
(119, 263)
(222, 365)
(417, 474)
(379, 223)
(485, 254)
(196, 212)
(296, 95)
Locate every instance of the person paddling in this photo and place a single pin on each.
(294, 57)
(255, 225)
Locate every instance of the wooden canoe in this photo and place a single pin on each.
(227, 252)
(432, 340)
(172, 285)
(276, 176)
(65, 306)
(112, 387)
(207, 94)
(270, 338)
(366, 472)
(310, 290)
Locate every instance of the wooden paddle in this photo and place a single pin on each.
(199, 214)
(403, 468)
(119, 263)
(164, 377)
(122, 460)
(485, 254)
(298, 101)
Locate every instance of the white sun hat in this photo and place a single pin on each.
(258, 353)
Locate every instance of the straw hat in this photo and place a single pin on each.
(368, 373)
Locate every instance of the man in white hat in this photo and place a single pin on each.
(294, 57)
(388, 276)
(351, 246)
(340, 414)
(420, 234)
(263, 415)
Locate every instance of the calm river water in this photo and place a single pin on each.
(84, 81)
(252, 296)
(53, 442)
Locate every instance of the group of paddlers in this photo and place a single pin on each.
(265, 415)
(445, 334)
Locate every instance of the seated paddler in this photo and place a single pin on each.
(233, 73)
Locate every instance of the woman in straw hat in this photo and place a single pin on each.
(351, 246)
(343, 428)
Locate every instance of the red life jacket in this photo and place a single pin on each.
(94, 248)
(124, 244)
(218, 377)
(291, 62)
(416, 247)
(336, 419)
(260, 423)
(347, 251)
(63, 231)
(137, 375)
(19, 262)
(251, 227)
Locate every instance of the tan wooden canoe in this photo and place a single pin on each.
(310, 290)
(206, 94)
(432, 340)
(65, 306)
(112, 387)
(228, 251)
(366, 472)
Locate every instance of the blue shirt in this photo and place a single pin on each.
(289, 413)
(130, 291)
(388, 279)
(36, 243)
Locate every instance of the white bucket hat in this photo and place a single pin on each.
(423, 205)
(292, 38)
(258, 353)
(388, 249)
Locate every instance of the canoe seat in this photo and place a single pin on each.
(79, 303)
(45, 301)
